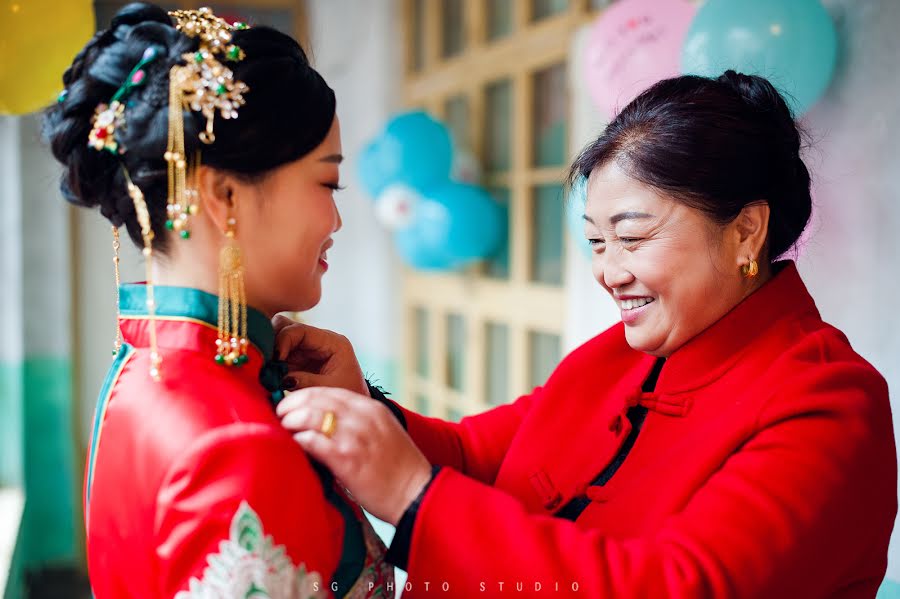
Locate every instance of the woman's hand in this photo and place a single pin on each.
(367, 449)
(316, 357)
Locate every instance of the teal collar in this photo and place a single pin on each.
(185, 303)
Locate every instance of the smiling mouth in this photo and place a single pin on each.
(633, 304)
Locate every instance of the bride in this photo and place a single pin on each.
(217, 147)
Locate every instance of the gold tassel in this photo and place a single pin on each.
(143, 216)
(231, 346)
(181, 201)
(117, 345)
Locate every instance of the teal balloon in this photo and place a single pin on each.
(793, 43)
(373, 175)
(575, 203)
(454, 225)
(414, 149)
(417, 150)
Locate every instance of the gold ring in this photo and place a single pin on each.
(329, 424)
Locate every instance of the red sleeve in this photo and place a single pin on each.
(809, 499)
(477, 444)
(244, 507)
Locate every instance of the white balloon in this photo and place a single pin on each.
(396, 206)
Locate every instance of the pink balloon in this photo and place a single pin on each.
(632, 45)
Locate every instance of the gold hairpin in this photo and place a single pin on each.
(143, 217)
(203, 85)
(110, 117)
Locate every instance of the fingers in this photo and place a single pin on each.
(304, 418)
(322, 398)
(306, 339)
(281, 321)
(300, 379)
(319, 447)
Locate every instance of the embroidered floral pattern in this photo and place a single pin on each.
(377, 575)
(250, 566)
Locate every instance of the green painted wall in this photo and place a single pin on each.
(36, 436)
(11, 382)
(11, 459)
(50, 464)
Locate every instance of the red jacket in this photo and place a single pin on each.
(193, 488)
(766, 467)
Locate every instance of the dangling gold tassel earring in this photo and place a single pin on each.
(181, 202)
(117, 346)
(231, 346)
(143, 216)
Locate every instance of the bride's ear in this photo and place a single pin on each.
(216, 190)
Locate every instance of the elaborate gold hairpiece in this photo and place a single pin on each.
(203, 85)
(109, 117)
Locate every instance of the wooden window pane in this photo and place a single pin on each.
(550, 115)
(458, 117)
(499, 19)
(497, 266)
(497, 383)
(453, 33)
(418, 35)
(541, 9)
(456, 343)
(421, 341)
(547, 225)
(498, 127)
(544, 354)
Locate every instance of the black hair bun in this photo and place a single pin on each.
(288, 112)
(92, 178)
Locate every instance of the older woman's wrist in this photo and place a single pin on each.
(398, 553)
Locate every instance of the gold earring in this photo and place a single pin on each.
(231, 346)
(750, 270)
(117, 345)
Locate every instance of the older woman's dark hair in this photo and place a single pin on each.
(289, 111)
(716, 145)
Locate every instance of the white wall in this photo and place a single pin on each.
(851, 263)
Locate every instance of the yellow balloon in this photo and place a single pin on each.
(38, 40)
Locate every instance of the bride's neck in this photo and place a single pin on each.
(188, 263)
(194, 263)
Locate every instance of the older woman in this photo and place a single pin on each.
(722, 440)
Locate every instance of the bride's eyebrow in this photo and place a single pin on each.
(335, 158)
